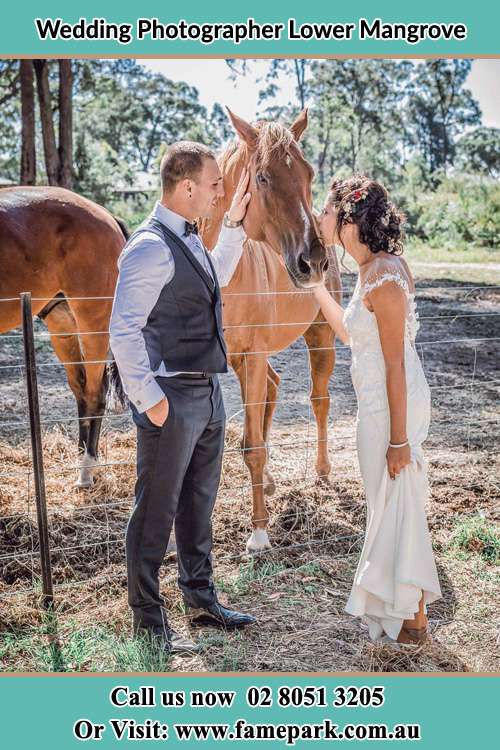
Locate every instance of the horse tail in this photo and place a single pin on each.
(124, 229)
(113, 379)
(115, 384)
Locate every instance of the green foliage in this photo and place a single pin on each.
(98, 168)
(479, 151)
(251, 572)
(462, 210)
(10, 109)
(133, 211)
(92, 649)
(475, 536)
(439, 109)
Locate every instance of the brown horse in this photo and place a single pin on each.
(63, 248)
(266, 305)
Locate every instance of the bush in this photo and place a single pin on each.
(462, 210)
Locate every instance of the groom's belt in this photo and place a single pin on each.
(193, 375)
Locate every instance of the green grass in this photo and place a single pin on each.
(258, 571)
(474, 535)
(95, 649)
(418, 254)
(227, 651)
(424, 253)
(254, 571)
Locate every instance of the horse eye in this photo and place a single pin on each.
(262, 179)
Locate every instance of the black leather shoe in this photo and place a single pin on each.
(168, 639)
(218, 616)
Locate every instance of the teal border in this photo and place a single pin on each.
(18, 36)
(453, 711)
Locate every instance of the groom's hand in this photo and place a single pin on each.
(159, 412)
(239, 204)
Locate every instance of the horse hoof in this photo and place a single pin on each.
(323, 480)
(258, 541)
(86, 477)
(84, 483)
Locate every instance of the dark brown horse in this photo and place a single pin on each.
(266, 305)
(63, 249)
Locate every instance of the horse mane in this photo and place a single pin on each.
(274, 142)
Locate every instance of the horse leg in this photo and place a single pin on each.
(273, 381)
(66, 343)
(320, 341)
(92, 316)
(252, 373)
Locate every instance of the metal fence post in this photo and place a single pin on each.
(36, 446)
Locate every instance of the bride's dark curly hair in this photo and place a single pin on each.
(365, 202)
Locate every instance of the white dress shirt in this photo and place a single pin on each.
(145, 266)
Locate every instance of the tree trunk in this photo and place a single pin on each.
(65, 124)
(300, 74)
(323, 154)
(28, 151)
(48, 132)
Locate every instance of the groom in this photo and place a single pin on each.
(167, 338)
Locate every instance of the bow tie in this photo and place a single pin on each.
(190, 228)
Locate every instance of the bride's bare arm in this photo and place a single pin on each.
(332, 311)
(388, 302)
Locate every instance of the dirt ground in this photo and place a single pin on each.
(299, 588)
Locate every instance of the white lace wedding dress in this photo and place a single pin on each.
(397, 562)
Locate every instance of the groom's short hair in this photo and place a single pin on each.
(183, 160)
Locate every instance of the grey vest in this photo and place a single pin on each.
(184, 328)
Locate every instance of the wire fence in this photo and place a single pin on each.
(79, 534)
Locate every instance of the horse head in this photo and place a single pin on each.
(280, 210)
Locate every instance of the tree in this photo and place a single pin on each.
(135, 110)
(356, 122)
(65, 124)
(298, 69)
(440, 110)
(58, 158)
(479, 151)
(47, 121)
(219, 129)
(28, 148)
(10, 84)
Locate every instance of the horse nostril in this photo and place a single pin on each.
(303, 264)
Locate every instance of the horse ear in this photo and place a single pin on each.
(246, 132)
(299, 125)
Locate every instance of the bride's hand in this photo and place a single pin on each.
(397, 459)
(319, 290)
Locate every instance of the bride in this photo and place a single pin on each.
(396, 575)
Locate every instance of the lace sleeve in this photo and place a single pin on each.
(383, 271)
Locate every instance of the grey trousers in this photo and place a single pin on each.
(178, 473)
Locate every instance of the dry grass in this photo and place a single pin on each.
(297, 590)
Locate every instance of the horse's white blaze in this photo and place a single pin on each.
(258, 541)
(87, 468)
(307, 225)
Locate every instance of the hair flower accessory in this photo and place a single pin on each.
(386, 217)
(359, 195)
(355, 197)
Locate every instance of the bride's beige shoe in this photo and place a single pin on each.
(415, 636)
(415, 631)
